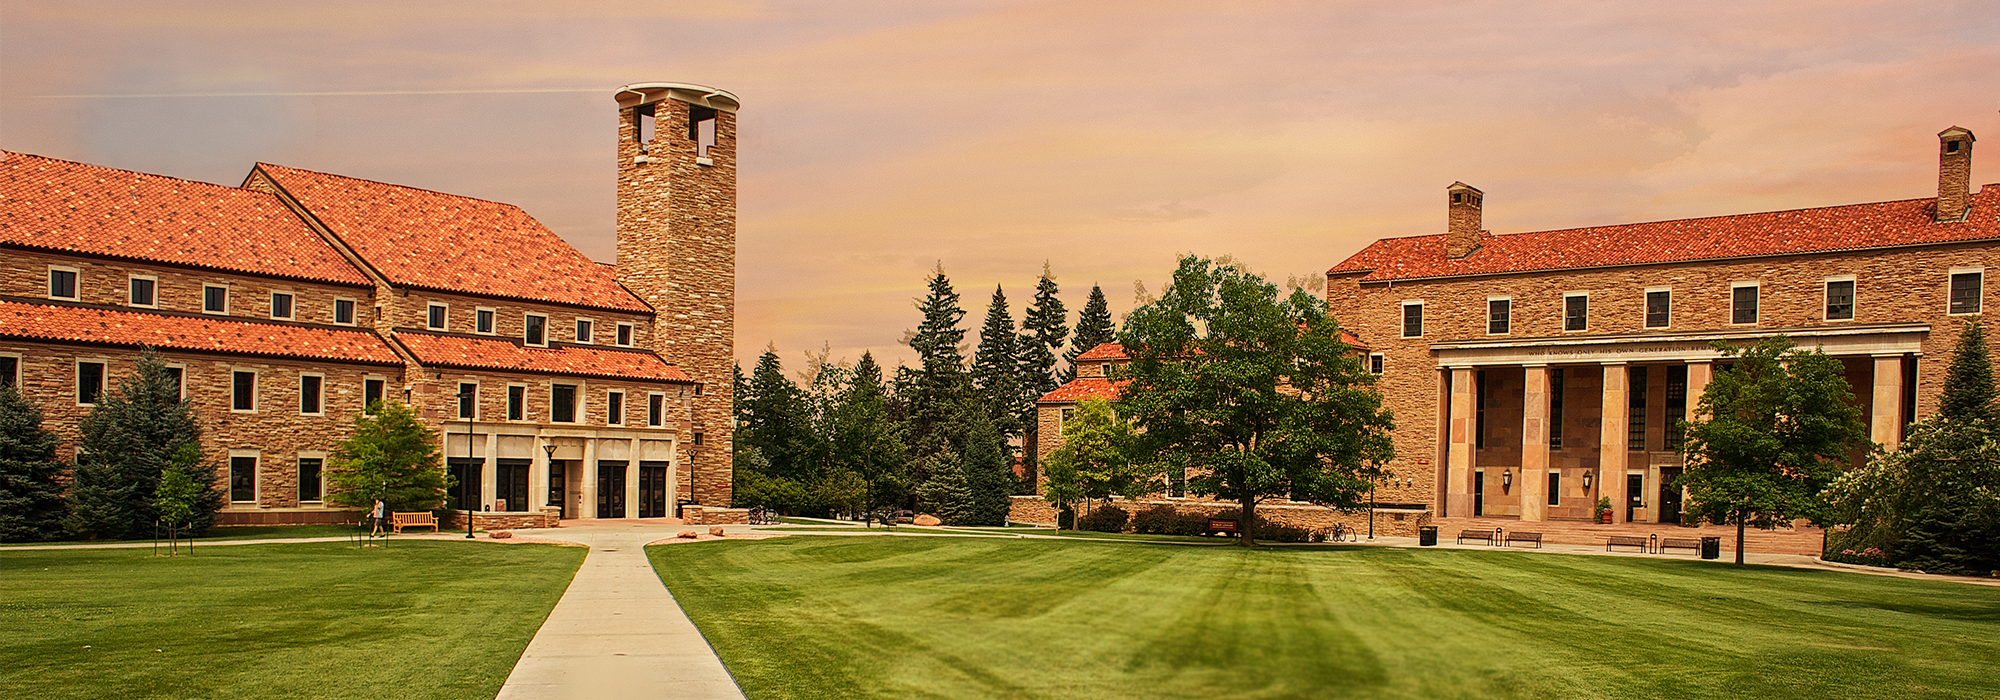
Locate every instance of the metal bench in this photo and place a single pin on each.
(1690, 544)
(1486, 536)
(1518, 536)
(1642, 543)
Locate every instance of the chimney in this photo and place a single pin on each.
(1464, 233)
(1954, 174)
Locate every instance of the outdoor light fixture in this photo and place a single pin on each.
(550, 450)
(1506, 478)
(1586, 481)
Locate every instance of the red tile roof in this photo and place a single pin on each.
(59, 205)
(493, 353)
(1104, 351)
(204, 333)
(430, 240)
(1082, 388)
(1816, 230)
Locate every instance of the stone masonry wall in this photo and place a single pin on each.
(26, 274)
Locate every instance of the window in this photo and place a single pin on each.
(371, 394)
(1555, 488)
(1677, 404)
(1743, 303)
(614, 408)
(62, 283)
(243, 479)
(343, 312)
(1659, 307)
(697, 389)
(483, 321)
(243, 391)
(517, 402)
(1840, 300)
(624, 334)
(583, 328)
(436, 317)
(89, 382)
(1479, 409)
(1499, 314)
(1965, 291)
(144, 292)
(1413, 319)
(537, 327)
(281, 305)
(562, 403)
(10, 370)
(179, 375)
(214, 299)
(309, 394)
(1635, 414)
(1576, 312)
(656, 410)
(309, 481)
(468, 400)
(1375, 361)
(697, 436)
(1555, 409)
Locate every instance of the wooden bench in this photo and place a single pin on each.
(1481, 535)
(422, 518)
(1627, 541)
(1518, 536)
(1690, 544)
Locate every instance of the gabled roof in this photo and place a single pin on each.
(219, 334)
(431, 240)
(1082, 388)
(443, 350)
(1816, 230)
(1104, 351)
(64, 206)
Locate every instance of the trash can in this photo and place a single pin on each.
(1711, 548)
(1427, 536)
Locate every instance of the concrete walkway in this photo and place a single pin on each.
(617, 633)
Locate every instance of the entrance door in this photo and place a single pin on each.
(611, 488)
(558, 497)
(1478, 494)
(652, 491)
(1635, 494)
(1670, 495)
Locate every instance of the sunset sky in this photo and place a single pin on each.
(882, 138)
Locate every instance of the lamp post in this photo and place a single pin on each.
(550, 450)
(465, 485)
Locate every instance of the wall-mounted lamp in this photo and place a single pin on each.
(1506, 479)
(1586, 481)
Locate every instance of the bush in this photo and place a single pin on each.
(1104, 519)
(1264, 530)
(1168, 520)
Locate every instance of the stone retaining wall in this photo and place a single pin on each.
(702, 515)
(455, 520)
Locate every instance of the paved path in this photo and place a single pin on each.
(617, 633)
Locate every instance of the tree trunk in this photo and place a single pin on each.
(1246, 528)
(1741, 518)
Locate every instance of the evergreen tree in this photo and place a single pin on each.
(1044, 327)
(943, 492)
(391, 457)
(1093, 328)
(995, 369)
(935, 430)
(866, 441)
(31, 502)
(1968, 385)
(989, 482)
(127, 439)
(775, 421)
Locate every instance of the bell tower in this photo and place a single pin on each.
(677, 251)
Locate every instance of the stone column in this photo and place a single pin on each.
(1611, 442)
(1699, 374)
(673, 474)
(588, 510)
(1885, 419)
(1459, 453)
(489, 476)
(632, 480)
(538, 475)
(1535, 443)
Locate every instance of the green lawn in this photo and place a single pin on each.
(322, 620)
(245, 532)
(909, 617)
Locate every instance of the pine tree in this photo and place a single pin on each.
(988, 480)
(995, 368)
(1044, 327)
(866, 441)
(933, 426)
(775, 421)
(127, 439)
(31, 503)
(1093, 328)
(1968, 384)
(943, 492)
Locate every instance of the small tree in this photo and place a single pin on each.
(1253, 392)
(31, 501)
(178, 496)
(1773, 432)
(129, 437)
(392, 458)
(1095, 460)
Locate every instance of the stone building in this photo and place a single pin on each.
(1533, 373)
(560, 387)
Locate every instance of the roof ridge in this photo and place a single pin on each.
(129, 171)
(412, 188)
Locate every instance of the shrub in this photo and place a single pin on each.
(1104, 519)
(1264, 530)
(1168, 520)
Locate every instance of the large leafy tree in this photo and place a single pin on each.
(1254, 392)
(1772, 432)
(866, 441)
(1933, 503)
(1093, 328)
(128, 439)
(391, 457)
(31, 500)
(996, 370)
(1097, 459)
(1044, 328)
